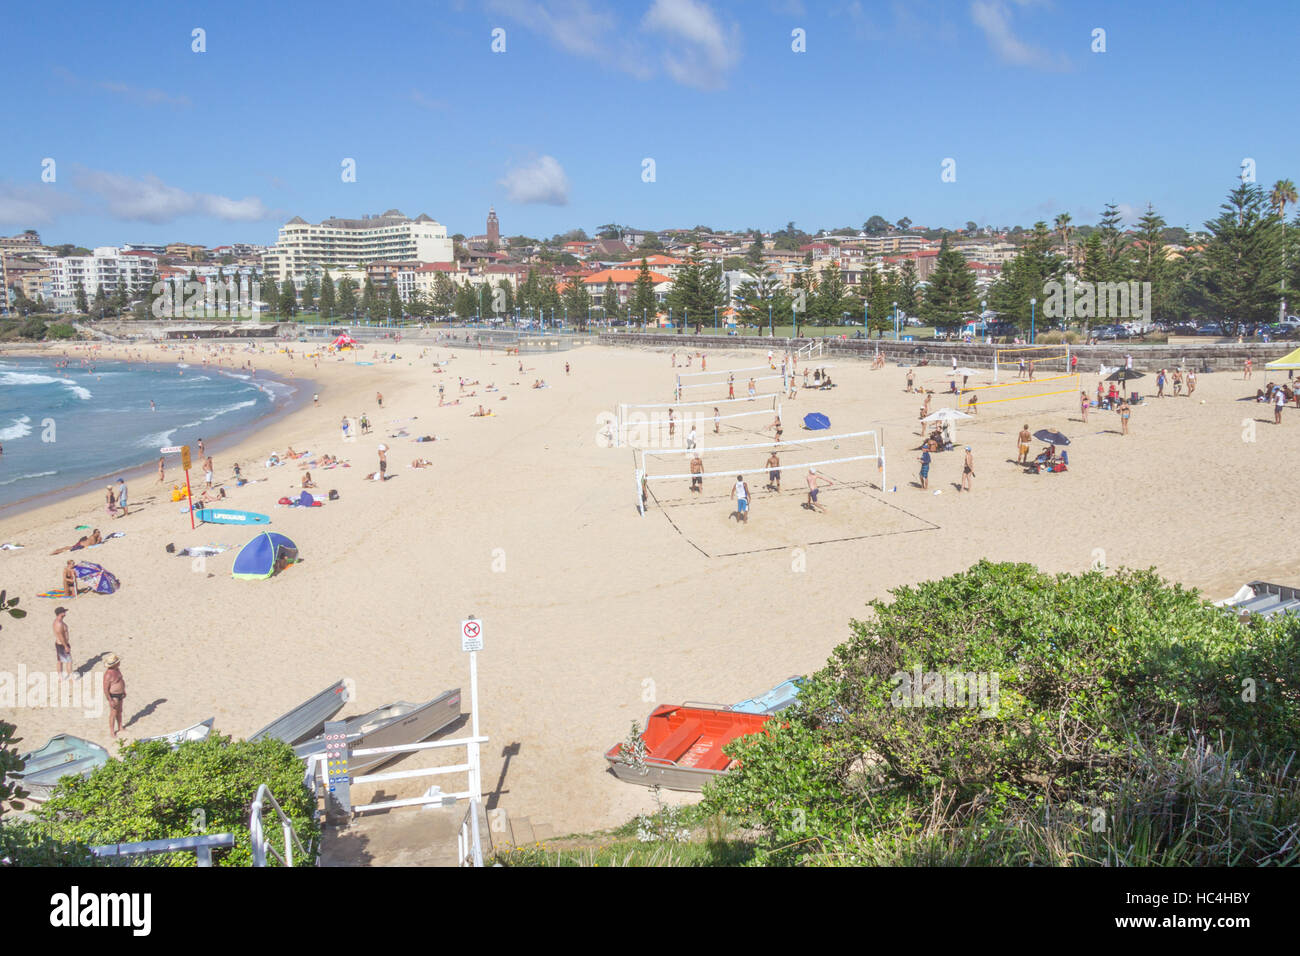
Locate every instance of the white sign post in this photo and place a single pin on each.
(471, 641)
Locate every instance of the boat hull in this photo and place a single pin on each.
(685, 746)
(199, 731)
(308, 718)
(390, 726)
(62, 756)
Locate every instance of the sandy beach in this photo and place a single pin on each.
(592, 613)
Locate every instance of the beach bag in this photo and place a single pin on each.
(171, 549)
(334, 495)
(284, 501)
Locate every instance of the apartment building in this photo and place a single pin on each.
(624, 280)
(106, 267)
(28, 241)
(345, 242)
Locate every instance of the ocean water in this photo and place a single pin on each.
(61, 427)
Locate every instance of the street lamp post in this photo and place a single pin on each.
(771, 329)
(896, 335)
(984, 307)
(1032, 305)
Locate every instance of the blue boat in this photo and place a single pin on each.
(63, 756)
(777, 699)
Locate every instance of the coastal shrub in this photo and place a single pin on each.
(1058, 338)
(1086, 683)
(60, 330)
(151, 791)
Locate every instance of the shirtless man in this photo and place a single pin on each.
(751, 389)
(773, 472)
(697, 473)
(968, 467)
(814, 481)
(115, 692)
(1022, 445)
(62, 643)
(383, 462)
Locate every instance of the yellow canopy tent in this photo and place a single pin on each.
(1290, 360)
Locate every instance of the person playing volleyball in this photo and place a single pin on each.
(697, 473)
(773, 472)
(814, 481)
(740, 491)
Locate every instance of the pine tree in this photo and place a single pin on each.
(1240, 271)
(507, 296)
(1114, 244)
(288, 298)
(831, 300)
(394, 302)
(270, 295)
(347, 298)
(369, 299)
(577, 302)
(79, 294)
(951, 293)
(327, 296)
(642, 303)
(909, 297)
(609, 301)
(309, 292)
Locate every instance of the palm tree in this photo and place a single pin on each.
(1063, 227)
(1283, 194)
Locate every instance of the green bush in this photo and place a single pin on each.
(60, 330)
(1100, 678)
(153, 792)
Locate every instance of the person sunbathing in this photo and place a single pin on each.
(481, 413)
(85, 541)
(421, 463)
(210, 496)
(306, 480)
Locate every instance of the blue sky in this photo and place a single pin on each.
(154, 142)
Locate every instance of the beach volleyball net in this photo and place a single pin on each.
(1048, 387)
(1047, 358)
(850, 459)
(685, 389)
(648, 424)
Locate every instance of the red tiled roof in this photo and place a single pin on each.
(621, 275)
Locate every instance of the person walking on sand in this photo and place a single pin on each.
(1124, 412)
(379, 398)
(345, 425)
(111, 502)
(925, 468)
(200, 444)
(967, 470)
(690, 438)
(162, 470)
(1022, 445)
(121, 497)
(774, 472)
(672, 424)
(208, 469)
(740, 491)
(1031, 370)
(814, 482)
(1191, 383)
(1084, 405)
(1279, 402)
(62, 643)
(383, 462)
(717, 421)
(1249, 366)
(1160, 384)
(731, 386)
(115, 693)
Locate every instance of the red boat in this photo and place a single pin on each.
(684, 746)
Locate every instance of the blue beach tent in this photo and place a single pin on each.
(815, 421)
(261, 557)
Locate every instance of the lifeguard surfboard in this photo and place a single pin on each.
(222, 516)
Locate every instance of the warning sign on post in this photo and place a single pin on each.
(471, 635)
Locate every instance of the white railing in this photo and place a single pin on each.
(468, 845)
(809, 350)
(261, 845)
(200, 846)
(471, 767)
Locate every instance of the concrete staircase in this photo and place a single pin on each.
(417, 836)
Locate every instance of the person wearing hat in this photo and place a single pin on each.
(814, 482)
(62, 643)
(383, 462)
(115, 692)
(967, 470)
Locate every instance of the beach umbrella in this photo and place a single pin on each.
(816, 420)
(1290, 360)
(949, 415)
(1124, 375)
(1051, 436)
(96, 578)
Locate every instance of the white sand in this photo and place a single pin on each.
(593, 614)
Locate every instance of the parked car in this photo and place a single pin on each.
(1209, 328)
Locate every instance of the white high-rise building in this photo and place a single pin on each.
(106, 267)
(349, 242)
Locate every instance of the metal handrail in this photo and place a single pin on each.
(201, 846)
(258, 835)
(468, 841)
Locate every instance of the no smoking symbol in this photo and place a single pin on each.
(471, 629)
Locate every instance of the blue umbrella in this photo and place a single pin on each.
(1051, 437)
(816, 420)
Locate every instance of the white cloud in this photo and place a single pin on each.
(993, 17)
(148, 97)
(28, 206)
(149, 199)
(541, 181)
(703, 50)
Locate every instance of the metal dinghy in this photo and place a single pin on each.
(308, 718)
(199, 731)
(64, 755)
(684, 746)
(397, 723)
